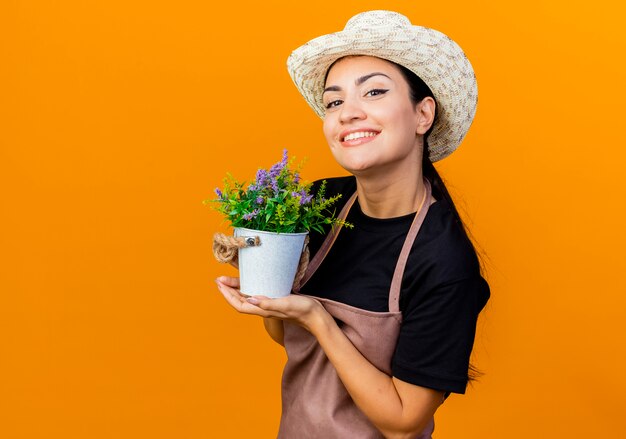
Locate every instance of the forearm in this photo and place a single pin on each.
(373, 391)
(398, 409)
(275, 329)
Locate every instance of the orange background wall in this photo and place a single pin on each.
(118, 118)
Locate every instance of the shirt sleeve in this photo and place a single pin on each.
(437, 335)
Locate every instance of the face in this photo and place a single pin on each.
(370, 124)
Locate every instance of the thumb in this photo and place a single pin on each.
(229, 281)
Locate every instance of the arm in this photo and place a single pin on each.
(398, 409)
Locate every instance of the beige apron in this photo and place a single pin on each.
(315, 403)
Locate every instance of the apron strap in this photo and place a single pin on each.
(327, 244)
(396, 282)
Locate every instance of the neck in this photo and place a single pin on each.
(389, 195)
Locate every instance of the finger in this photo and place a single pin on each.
(277, 305)
(232, 282)
(234, 292)
(263, 307)
(273, 307)
(231, 296)
(234, 298)
(258, 298)
(229, 281)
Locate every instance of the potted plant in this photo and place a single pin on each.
(272, 217)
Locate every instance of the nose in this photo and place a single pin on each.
(351, 110)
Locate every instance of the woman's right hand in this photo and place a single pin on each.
(274, 327)
(299, 309)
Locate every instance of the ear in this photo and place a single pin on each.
(425, 115)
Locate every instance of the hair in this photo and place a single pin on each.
(418, 91)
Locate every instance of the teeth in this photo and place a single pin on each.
(358, 135)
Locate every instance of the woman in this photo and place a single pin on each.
(383, 325)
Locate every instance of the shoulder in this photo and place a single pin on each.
(443, 247)
(443, 267)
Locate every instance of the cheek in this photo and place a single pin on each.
(407, 122)
(402, 131)
(328, 129)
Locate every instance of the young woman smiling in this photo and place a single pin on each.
(381, 329)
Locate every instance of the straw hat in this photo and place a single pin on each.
(431, 55)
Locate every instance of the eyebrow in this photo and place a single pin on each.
(358, 81)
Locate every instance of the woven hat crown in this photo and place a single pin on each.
(428, 53)
(370, 19)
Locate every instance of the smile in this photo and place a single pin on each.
(359, 135)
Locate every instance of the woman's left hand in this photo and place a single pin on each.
(302, 310)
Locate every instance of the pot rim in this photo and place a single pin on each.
(246, 230)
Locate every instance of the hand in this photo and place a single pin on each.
(302, 310)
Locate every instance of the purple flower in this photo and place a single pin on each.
(296, 178)
(304, 198)
(249, 216)
(259, 200)
(219, 193)
(274, 184)
(261, 178)
(275, 170)
(278, 167)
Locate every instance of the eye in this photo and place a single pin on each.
(334, 103)
(376, 92)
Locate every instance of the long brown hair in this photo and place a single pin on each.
(418, 91)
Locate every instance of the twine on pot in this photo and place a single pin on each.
(225, 250)
(225, 247)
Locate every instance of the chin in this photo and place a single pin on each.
(359, 170)
(355, 163)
